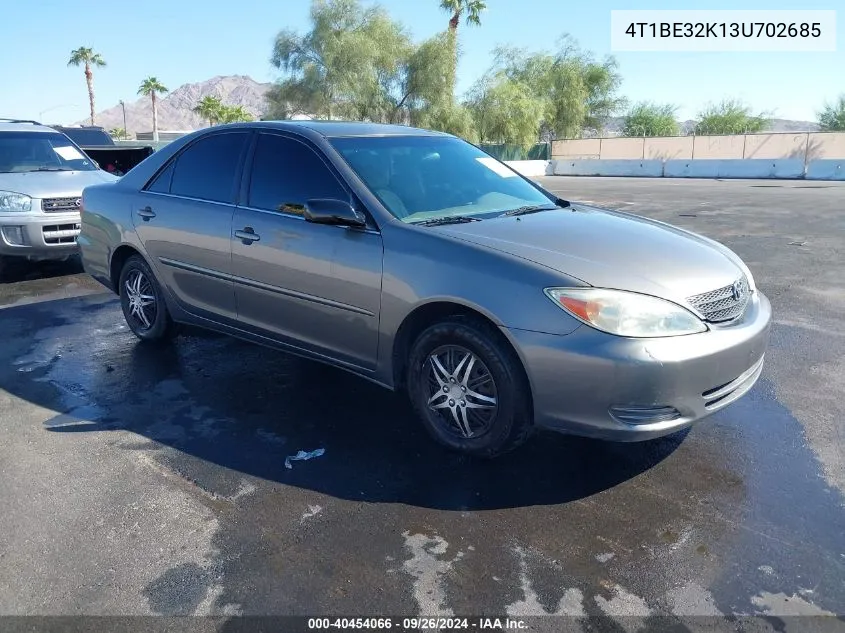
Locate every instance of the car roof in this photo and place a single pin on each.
(24, 127)
(331, 129)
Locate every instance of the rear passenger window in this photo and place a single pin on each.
(208, 169)
(287, 173)
(161, 183)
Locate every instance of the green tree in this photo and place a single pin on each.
(233, 114)
(151, 87)
(730, 116)
(651, 119)
(327, 70)
(357, 63)
(86, 57)
(209, 108)
(505, 111)
(577, 91)
(832, 117)
(117, 133)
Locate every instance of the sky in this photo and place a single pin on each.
(186, 41)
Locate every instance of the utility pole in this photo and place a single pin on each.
(125, 131)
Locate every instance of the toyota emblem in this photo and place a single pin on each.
(78, 203)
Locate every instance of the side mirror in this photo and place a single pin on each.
(331, 211)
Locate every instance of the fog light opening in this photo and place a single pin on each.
(644, 414)
(14, 235)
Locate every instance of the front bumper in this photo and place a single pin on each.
(43, 236)
(599, 385)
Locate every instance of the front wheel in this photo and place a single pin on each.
(143, 303)
(468, 388)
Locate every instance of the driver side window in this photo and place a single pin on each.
(286, 173)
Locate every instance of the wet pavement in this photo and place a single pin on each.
(142, 479)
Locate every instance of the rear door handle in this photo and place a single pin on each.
(146, 213)
(247, 235)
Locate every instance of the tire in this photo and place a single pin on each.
(453, 398)
(142, 301)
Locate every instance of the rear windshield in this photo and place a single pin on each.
(420, 178)
(40, 151)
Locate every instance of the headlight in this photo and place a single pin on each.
(626, 313)
(11, 201)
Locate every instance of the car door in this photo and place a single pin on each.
(315, 286)
(184, 220)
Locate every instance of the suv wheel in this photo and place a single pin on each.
(143, 302)
(468, 389)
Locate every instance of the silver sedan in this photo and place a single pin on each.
(417, 261)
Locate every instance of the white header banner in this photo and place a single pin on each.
(723, 31)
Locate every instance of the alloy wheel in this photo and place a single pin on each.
(141, 299)
(462, 391)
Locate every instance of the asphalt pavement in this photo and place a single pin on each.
(150, 479)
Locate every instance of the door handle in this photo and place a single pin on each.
(247, 235)
(146, 213)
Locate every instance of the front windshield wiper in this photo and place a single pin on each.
(535, 208)
(52, 169)
(449, 219)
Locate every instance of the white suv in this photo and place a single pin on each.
(42, 175)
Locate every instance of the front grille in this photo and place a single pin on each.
(60, 233)
(724, 304)
(58, 205)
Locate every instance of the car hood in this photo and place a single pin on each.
(53, 184)
(608, 249)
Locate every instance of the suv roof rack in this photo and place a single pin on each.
(19, 121)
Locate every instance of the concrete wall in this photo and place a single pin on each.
(788, 145)
(622, 148)
(826, 145)
(668, 148)
(714, 147)
(816, 155)
(826, 170)
(601, 167)
(577, 148)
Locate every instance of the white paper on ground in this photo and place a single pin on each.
(302, 456)
(68, 152)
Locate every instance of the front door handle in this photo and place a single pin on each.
(247, 235)
(146, 213)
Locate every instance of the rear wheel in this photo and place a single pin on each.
(468, 389)
(142, 301)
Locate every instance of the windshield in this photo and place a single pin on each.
(40, 151)
(87, 137)
(421, 178)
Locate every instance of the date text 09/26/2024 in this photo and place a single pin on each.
(417, 624)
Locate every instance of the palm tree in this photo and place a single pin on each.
(457, 8)
(87, 58)
(234, 114)
(117, 132)
(210, 108)
(150, 87)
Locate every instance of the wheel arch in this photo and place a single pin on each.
(118, 259)
(430, 313)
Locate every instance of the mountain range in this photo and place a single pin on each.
(175, 108)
